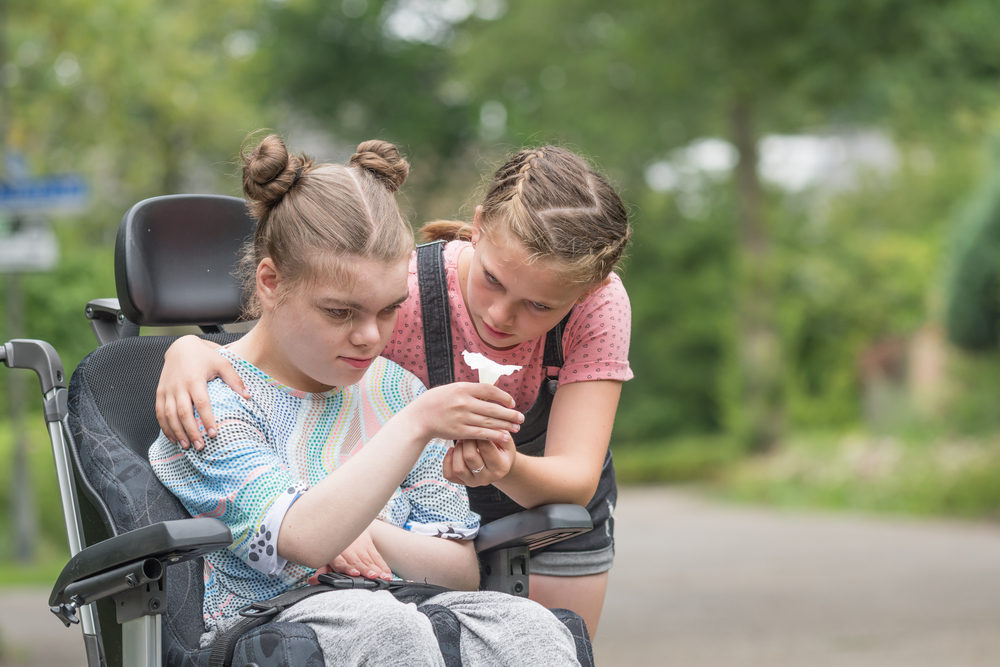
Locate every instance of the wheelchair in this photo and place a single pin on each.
(134, 581)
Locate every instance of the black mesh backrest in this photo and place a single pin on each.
(112, 420)
(175, 256)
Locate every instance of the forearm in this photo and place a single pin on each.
(331, 515)
(450, 563)
(540, 480)
(577, 439)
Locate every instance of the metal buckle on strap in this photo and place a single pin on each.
(338, 580)
(259, 610)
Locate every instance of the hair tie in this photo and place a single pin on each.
(298, 175)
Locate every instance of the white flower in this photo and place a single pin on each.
(489, 370)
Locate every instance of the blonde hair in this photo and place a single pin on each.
(558, 207)
(310, 216)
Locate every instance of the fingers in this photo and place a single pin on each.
(447, 468)
(470, 463)
(473, 459)
(170, 422)
(161, 416)
(488, 392)
(362, 563)
(498, 456)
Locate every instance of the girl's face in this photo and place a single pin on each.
(328, 331)
(510, 299)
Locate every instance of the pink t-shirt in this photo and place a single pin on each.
(595, 341)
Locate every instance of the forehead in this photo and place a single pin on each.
(541, 279)
(354, 280)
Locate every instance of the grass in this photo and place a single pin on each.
(944, 477)
(922, 476)
(42, 572)
(684, 460)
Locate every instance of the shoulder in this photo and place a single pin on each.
(608, 302)
(388, 382)
(452, 249)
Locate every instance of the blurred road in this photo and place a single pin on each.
(698, 583)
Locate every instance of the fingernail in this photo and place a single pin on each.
(372, 574)
(198, 444)
(212, 432)
(516, 428)
(520, 418)
(183, 443)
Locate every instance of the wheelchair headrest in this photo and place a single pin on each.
(176, 257)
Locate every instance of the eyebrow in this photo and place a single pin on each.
(338, 303)
(487, 269)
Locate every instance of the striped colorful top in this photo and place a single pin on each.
(270, 449)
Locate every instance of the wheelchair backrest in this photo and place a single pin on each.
(175, 258)
(175, 261)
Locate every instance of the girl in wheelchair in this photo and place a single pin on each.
(332, 457)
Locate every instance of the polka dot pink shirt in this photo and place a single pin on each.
(595, 341)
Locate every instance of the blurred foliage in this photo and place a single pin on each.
(973, 287)
(846, 279)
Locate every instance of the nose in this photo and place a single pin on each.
(502, 313)
(365, 333)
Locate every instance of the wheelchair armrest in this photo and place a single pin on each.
(534, 528)
(134, 558)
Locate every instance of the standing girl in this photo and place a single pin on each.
(530, 283)
(334, 452)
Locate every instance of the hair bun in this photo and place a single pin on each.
(382, 160)
(269, 172)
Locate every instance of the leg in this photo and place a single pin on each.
(501, 629)
(583, 594)
(358, 627)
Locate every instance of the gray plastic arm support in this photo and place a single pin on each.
(129, 567)
(534, 528)
(504, 545)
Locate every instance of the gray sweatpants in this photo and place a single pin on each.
(359, 627)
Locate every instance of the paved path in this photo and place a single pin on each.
(698, 584)
(704, 584)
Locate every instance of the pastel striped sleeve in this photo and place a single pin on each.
(435, 505)
(237, 478)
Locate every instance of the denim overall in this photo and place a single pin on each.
(488, 501)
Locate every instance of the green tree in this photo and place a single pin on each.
(633, 80)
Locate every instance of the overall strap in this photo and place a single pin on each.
(433, 285)
(552, 357)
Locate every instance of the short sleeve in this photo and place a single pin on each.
(596, 341)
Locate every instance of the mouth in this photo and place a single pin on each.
(357, 363)
(500, 335)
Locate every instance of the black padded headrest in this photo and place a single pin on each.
(176, 256)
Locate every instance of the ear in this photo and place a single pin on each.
(593, 288)
(268, 284)
(477, 225)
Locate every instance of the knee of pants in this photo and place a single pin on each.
(394, 620)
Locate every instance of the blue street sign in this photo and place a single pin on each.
(61, 193)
